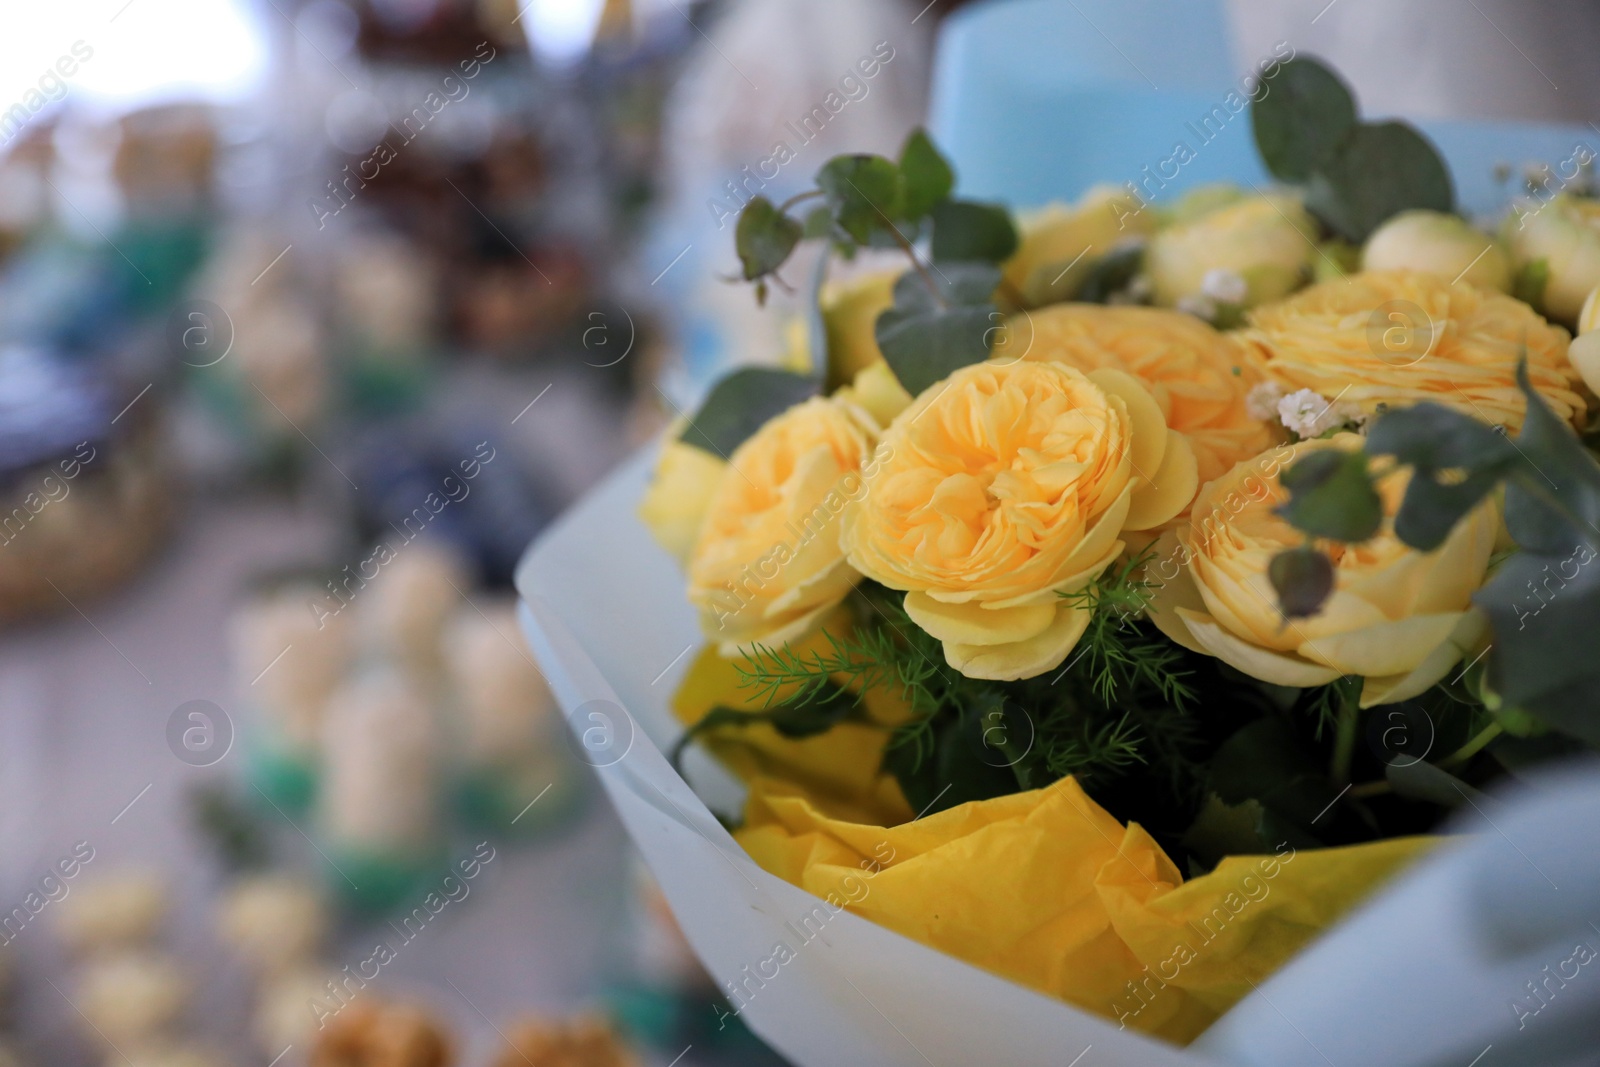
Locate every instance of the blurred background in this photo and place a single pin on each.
(312, 315)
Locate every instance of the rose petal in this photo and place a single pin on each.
(1257, 662)
(1391, 647)
(1469, 632)
(1023, 659)
(1148, 427)
(1169, 491)
(977, 624)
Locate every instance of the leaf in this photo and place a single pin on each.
(863, 192)
(967, 231)
(926, 175)
(925, 341)
(741, 403)
(764, 238)
(1302, 119)
(1303, 578)
(1111, 273)
(1267, 763)
(1553, 503)
(1331, 495)
(1420, 780)
(1456, 460)
(1378, 171)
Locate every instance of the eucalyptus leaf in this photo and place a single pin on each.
(925, 338)
(764, 238)
(1456, 461)
(926, 175)
(1553, 503)
(1300, 122)
(1111, 273)
(967, 231)
(1303, 578)
(1331, 495)
(863, 192)
(741, 403)
(1377, 171)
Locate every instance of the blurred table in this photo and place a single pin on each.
(84, 703)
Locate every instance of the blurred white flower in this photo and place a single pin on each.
(1224, 286)
(1262, 401)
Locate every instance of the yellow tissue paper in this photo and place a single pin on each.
(1045, 888)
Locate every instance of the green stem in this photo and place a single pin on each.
(1369, 789)
(799, 198)
(1461, 755)
(1344, 742)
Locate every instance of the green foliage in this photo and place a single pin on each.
(1299, 124)
(1543, 602)
(1331, 495)
(965, 231)
(1303, 579)
(764, 238)
(1357, 175)
(741, 403)
(930, 333)
(944, 315)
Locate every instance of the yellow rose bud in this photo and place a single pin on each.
(878, 391)
(1004, 488)
(1440, 244)
(1266, 241)
(1059, 244)
(850, 313)
(1198, 376)
(674, 505)
(1565, 233)
(1394, 338)
(767, 565)
(1397, 617)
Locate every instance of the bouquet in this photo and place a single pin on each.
(1116, 594)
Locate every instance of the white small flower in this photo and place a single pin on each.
(1199, 306)
(1308, 414)
(1262, 401)
(1224, 286)
(1141, 288)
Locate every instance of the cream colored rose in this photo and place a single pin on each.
(1004, 488)
(1441, 244)
(674, 504)
(1565, 233)
(1199, 376)
(1397, 617)
(1394, 338)
(1059, 244)
(767, 565)
(1584, 351)
(1266, 241)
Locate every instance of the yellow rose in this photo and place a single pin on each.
(1005, 487)
(768, 564)
(1393, 338)
(1059, 244)
(1265, 241)
(1198, 376)
(1397, 617)
(1565, 233)
(1440, 244)
(674, 505)
(850, 313)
